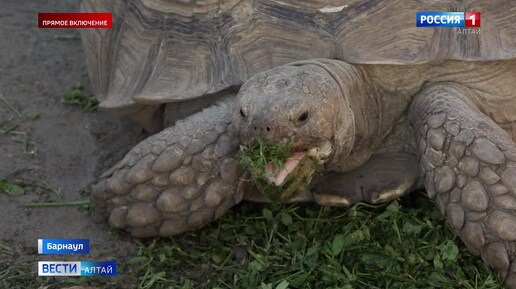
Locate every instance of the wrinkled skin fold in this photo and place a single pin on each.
(430, 124)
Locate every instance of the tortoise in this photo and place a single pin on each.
(372, 105)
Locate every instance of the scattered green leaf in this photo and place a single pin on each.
(77, 96)
(137, 260)
(267, 214)
(282, 285)
(32, 116)
(338, 244)
(11, 189)
(57, 204)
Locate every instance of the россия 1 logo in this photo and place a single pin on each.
(448, 19)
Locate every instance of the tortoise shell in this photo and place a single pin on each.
(170, 51)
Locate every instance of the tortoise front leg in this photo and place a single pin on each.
(174, 181)
(469, 167)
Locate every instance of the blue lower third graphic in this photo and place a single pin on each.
(63, 246)
(76, 268)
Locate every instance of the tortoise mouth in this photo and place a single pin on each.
(279, 172)
(277, 175)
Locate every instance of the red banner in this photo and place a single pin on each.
(75, 20)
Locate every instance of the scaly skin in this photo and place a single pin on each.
(176, 180)
(469, 167)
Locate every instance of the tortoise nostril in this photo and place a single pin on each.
(242, 113)
(255, 128)
(268, 128)
(303, 117)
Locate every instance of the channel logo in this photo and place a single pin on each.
(448, 19)
(472, 19)
(76, 268)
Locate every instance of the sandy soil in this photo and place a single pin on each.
(67, 149)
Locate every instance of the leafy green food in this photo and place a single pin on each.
(259, 153)
(403, 244)
(77, 96)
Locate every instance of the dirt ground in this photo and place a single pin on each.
(67, 148)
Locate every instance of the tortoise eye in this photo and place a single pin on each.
(303, 117)
(242, 113)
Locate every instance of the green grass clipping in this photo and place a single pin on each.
(255, 157)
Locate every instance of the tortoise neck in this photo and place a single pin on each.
(361, 106)
(378, 96)
(374, 98)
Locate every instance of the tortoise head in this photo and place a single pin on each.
(299, 106)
